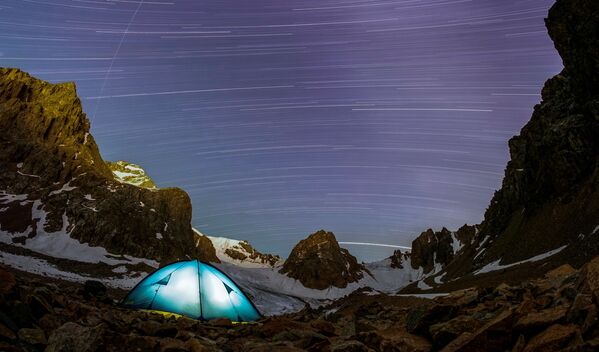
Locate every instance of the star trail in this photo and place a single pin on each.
(372, 119)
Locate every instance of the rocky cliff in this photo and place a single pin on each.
(54, 183)
(318, 262)
(549, 198)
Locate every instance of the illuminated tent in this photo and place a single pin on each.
(194, 289)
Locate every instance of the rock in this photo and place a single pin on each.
(419, 319)
(195, 345)
(32, 336)
(432, 248)
(398, 258)
(520, 344)
(493, 336)
(7, 281)
(580, 308)
(548, 197)
(47, 135)
(589, 278)
(72, 337)
(561, 272)
(464, 297)
(94, 288)
(350, 346)
(553, 339)
(541, 319)
(222, 322)
(6, 333)
(21, 315)
(394, 340)
(318, 262)
(443, 333)
(172, 345)
(324, 327)
(38, 306)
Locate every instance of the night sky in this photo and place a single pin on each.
(372, 119)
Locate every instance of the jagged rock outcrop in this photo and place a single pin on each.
(549, 197)
(398, 259)
(53, 182)
(318, 262)
(434, 250)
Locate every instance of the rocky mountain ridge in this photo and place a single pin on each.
(57, 192)
(549, 199)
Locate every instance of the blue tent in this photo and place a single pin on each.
(195, 289)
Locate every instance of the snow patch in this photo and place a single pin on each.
(65, 188)
(44, 268)
(423, 286)
(59, 244)
(494, 266)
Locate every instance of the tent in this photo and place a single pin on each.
(195, 289)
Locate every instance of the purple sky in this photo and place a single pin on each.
(372, 119)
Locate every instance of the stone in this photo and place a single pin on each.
(419, 319)
(541, 319)
(6, 333)
(319, 262)
(350, 346)
(553, 338)
(72, 337)
(324, 327)
(560, 272)
(222, 322)
(589, 278)
(7, 281)
(94, 288)
(195, 345)
(168, 344)
(32, 336)
(493, 336)
(394, 340)
(520, 344)
(443, 333)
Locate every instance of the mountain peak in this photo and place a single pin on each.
(319, 262)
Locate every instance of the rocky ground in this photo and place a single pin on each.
(555, 312)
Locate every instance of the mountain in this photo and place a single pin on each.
(59, 198)
(318, 262)
(548, 204)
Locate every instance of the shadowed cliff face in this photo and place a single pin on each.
(318, 262)
(54, 181)
(549, 196)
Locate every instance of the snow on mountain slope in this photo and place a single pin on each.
(241, 253)
(130, 173)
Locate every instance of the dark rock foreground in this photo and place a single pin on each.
(555, 313)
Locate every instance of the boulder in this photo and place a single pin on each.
(72, 337)
(554, 338)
